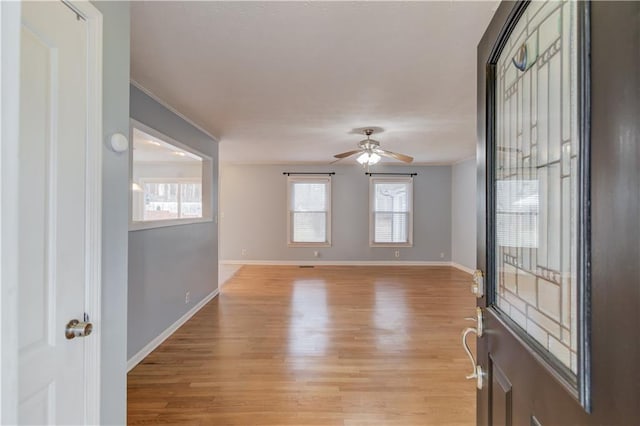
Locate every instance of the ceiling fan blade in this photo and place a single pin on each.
(347, 154)
(394, 155)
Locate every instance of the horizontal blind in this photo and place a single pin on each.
(309, 227)
(391, 210)
(391, 227)
(517, 206)
(309, 210)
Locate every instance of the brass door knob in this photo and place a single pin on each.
(76, 328)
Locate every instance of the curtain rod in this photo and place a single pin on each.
(392, 174)
(308, 173)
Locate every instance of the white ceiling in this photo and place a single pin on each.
(149, 149)
(287, 82)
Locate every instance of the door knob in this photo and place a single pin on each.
(477, 373)
(76, 328)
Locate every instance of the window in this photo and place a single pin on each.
(517, 210)
(169, 185)
(391, 222)
(167, 198)
(539, 273)
(309, 211)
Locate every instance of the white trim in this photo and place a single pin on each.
(290, 212)
(390, 245)
(93, 209)
(227, 274)
(152, 345)
(170, 108)
(462, 268)
(10, 23)
(372, 183)
(302, 245)
(207, 211)
(164, 138)
(335, 262)
(153, 224)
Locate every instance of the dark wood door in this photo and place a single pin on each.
(559, 214)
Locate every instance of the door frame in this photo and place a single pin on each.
(10, 25)
(9, 138)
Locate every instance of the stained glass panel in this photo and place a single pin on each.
(536, 157)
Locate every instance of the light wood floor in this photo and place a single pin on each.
(321, 346)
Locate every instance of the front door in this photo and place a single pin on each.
(559, 227)
(53, 248)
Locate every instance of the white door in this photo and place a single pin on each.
(52, 214)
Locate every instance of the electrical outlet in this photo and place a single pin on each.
(397, 253)
(243, 252)
(316, 253)
(441, 255)
(187, 297)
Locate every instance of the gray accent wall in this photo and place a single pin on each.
(165, 263)
(115, 208)
(253, 215)
(463, 207)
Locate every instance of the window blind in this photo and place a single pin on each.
(309, 210)
(391, 211)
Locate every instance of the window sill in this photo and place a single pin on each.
(308, 245)
(152, 224)
(390, 244)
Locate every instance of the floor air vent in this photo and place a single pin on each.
(305, 266)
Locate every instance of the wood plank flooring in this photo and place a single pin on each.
(316, 346)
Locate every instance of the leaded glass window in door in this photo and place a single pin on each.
(536, 158)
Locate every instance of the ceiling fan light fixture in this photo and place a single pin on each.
(369, 158)
(370, 153)
(363, 158)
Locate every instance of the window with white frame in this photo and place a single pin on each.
(170, 198)
(391, 218)
(169, 181)
(309, 210)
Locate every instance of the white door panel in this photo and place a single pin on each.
(52, 222)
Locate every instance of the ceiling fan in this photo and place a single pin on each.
(370, 152)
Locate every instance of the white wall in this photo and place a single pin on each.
(253, 215)
(463, 208)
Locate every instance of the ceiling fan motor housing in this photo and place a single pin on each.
(369, 144)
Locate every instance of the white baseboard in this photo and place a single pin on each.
(346, 263)
(144, 352)
(226, 272)
(462, 268)
(335, 263)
